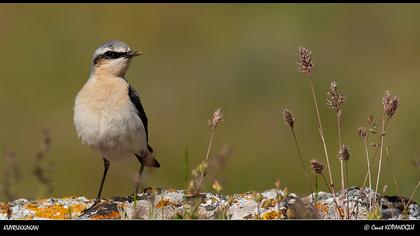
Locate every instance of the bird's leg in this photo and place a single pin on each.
(98, 197)
(140, 176)
(138, 182)
(106, 167)
(136, 188)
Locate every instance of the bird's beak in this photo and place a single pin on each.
(134, 53)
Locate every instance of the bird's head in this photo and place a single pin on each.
(113, 58)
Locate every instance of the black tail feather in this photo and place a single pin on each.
(147, 158)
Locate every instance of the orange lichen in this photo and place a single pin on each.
(341, 211)
(270, 215)
(5, 209)
(162, 203)
(56, 211)
(77, 208)
(321, 207)
(110, 216)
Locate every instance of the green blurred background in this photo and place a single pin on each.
(198, 57)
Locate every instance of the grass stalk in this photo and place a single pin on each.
(330, 190)
(347, 192)
(321, 132)
(303, 164)
(411, 197)
(384, 124)
(210, 143)
(339, 146)
(369, 174)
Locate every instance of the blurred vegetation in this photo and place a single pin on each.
(198, 57)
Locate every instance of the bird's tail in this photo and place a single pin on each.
(147, 158)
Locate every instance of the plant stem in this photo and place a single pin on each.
(339, 130)
(397, 186)
(384, 123)
(210, 143)
(347, 191)
(303, 163)
(207, 155)
(329, 189)
(371, 162)
(411, 197)
(342, 174)
(163, 206)
(321, 132)
(370, 177)
(339, 147)
(316, 188)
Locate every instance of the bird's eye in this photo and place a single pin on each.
(110, 54)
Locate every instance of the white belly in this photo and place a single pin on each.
(109, 126)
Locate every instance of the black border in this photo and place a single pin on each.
(215, 227)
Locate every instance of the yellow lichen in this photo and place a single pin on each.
(249, 197)
(269, 203)
(270, 215)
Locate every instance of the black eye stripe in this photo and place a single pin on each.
(114, 55)
(109, 55)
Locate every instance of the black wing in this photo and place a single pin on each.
(135, 99)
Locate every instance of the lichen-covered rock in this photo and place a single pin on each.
(52, 208)
(153, 203)
(357, 203)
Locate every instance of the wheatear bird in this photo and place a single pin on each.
(108, 114)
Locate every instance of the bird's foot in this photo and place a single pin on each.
(91, 208)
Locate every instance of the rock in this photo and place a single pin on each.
(361, 205)
(153, 203)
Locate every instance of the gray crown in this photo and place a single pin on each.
(113, 45)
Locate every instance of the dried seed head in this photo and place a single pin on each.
(277, 184)
(217, 118)
(362, 131)
(344, 153)
(288, 117)
(317, 166)
(384, 189)
(200, 169)
(335, 97)
(216, 186)
(391, 103)
(416, 163)
(304, 63)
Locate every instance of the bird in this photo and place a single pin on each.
(108, 114)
